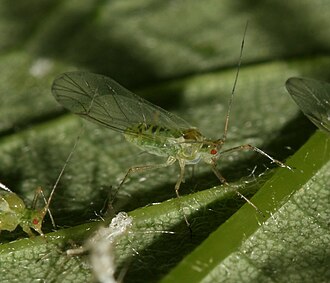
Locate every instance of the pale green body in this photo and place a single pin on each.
(13, 212)
(189, 145)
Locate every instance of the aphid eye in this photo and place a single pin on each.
(213, 151)
(35, 221)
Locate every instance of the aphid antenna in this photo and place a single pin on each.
(230, 102)
(46, 208)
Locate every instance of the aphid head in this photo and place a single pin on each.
(37, 217)
(33, 219)
(211, 150)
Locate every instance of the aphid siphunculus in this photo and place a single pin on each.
(313, 98)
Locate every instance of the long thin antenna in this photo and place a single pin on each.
(46, 208)
(234, 86)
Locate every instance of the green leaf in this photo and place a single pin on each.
(181, 56)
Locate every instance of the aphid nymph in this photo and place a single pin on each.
(13, 212)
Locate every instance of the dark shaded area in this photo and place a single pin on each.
(27, 17)
(30, 123)
(292, 28)
(102, 50)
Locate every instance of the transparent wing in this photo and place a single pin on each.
(104, 101)
(313, 98)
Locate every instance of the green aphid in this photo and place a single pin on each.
(103, 101)
(13, 212)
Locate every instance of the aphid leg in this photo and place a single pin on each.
(28, 230)
(177, 187)
(39, 192)
(48, 210)
(142, 168)
(223, 181)
(253, 148)
(181, 177)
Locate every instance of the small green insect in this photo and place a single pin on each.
(313, 98)
(13, 211)
(103, 101)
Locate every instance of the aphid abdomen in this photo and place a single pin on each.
(8, 221)
(11, 209)
(185, 144)
(154, 139)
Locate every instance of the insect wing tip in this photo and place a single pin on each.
(294, 85)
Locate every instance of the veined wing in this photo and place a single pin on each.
(313, 98)
(104, 101)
